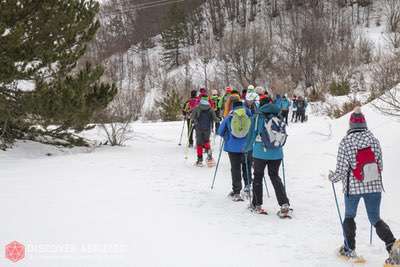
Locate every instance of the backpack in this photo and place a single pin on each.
(367, 169)
(204, 120)
(240, 123)
(273, 134)
(300, 104)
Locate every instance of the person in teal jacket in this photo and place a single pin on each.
(263, 157)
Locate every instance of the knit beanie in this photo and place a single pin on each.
(250, 88)
(357, 119)
(204, 100)
(228, 90)
(203, 91)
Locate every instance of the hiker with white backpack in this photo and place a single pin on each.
(359, 166)
(266, 139)
(235, 129)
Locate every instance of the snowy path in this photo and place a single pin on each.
(150, 207)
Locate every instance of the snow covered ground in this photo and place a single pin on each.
(144, 205)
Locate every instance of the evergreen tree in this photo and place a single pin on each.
(173, 35)
(170, 106)
(41, 42)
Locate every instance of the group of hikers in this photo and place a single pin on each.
(252, 125)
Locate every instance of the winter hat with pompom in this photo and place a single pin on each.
(357, 119)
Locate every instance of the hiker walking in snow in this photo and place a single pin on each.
(301, 109)
(223, 99)
(234, 129)
(187, 110)
(359, 167)
(285, 105)
(294, 109)
(216, 98)
(233, 97)
(203, 117)
(267, 152)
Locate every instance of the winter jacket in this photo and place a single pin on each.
(278, 102)
(203, 117)
(231, 143)
(254, 141)
(190, 105)
(346, 162)
(285, 104)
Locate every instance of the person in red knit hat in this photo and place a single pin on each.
(359, 167)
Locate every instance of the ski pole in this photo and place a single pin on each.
(340, 216)
(183, 128)
(248, 175)
(187, 144)
(370, 236)
(283, 173)
(216, 167)
(266, 187)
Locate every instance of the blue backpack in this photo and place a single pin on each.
(273, 134)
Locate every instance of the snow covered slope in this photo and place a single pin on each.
(144, 205)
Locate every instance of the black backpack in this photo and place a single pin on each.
(204, 120)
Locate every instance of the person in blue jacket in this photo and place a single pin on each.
(285, 105)
(263, 157)
(278, 101)
(238, 159)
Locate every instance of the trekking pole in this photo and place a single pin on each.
(248, 175)
(187, 144)
(216, 167)
(340, 216)
(183, 128)
(370, 236)
(283, 173)
(266, 187)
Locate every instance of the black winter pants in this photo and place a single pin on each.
(246, 168)
(382, 230)
(237, 163)
(285, 115)
(273, 173)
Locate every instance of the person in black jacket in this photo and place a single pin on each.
(203, 117)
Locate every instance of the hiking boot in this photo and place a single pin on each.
(199, 162)
(285, 208)
(394, 256)
(258, 209)
(247, 189)
(237, 198)
(348, 253)
(231, 194)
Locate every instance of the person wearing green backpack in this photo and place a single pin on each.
(234, 129)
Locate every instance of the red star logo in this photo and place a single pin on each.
(15, 251)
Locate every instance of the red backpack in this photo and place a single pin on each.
(367, 168)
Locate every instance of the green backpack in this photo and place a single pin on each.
(240, 123)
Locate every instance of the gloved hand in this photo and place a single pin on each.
(330, 175)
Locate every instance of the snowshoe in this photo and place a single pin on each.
(285, 212)
(257, 210)
(394, 257)
(210, 162)
(350, 255)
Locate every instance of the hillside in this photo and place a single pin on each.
(144, 205)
